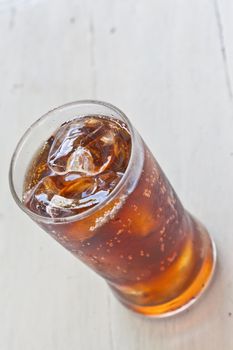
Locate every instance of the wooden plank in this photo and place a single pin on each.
(223, 14)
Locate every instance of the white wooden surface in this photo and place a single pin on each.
(169, 66)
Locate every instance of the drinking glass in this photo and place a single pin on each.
(155, 256)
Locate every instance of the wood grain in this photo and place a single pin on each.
(169, 66)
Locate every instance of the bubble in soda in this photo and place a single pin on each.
(78, 167)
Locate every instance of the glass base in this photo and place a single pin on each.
(188, 296)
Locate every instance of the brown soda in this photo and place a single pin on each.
(155, 256)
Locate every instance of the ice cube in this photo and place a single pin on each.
(64, 144)
(59, 206)
(61, 196)
(38, 198)
(81, 161)
(84, 193)
(83, 145)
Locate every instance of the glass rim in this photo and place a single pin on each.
(89, 212)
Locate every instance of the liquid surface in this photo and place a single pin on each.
(77, 167)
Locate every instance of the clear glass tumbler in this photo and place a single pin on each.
(155, 256)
